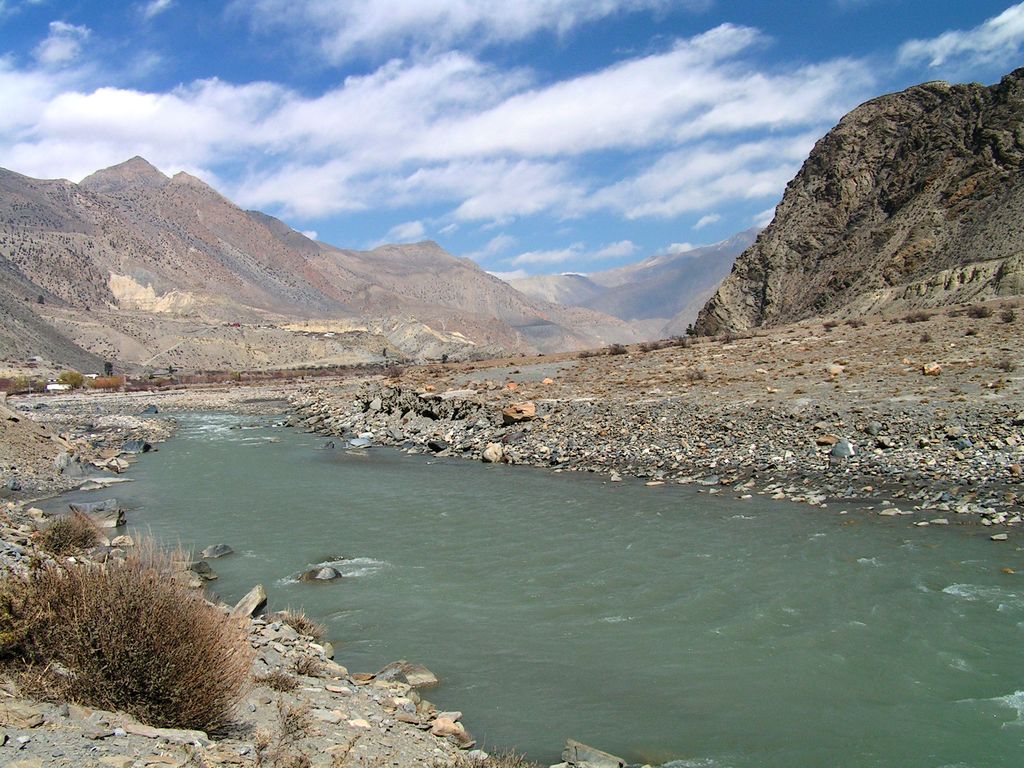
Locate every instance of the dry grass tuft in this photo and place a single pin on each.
(979, 312)
(304, 625)
(499, 760)
(124, 636)
(277, 680)
(308, 666)
(69, 534)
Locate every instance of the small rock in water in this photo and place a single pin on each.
(326, 573)
(217, 550)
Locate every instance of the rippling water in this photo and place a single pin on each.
(656, 623)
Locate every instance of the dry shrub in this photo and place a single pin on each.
(277, 680)
(69, 534)
(499, 760)
(106, 382)
(1007, 315)
(304, 625)
(616, 349)
(856, 322)
(1007, 365)
(587, 353)
(308, 666)
(971, 332)
(926, 337)
(919, 316)
(280, 749)
(125, 636)
(979, 312)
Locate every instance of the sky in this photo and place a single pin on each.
(532, 136)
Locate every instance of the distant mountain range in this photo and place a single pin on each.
(660, 296)
(914, 200)
(153, 271)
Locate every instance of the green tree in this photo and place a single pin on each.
(72, 379)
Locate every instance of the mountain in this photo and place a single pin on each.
(660, 296)
(915, 199)
(153, 270)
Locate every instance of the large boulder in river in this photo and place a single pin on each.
(415, 675)
(325, 573)
(103, 514)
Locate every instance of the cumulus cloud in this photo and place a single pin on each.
(998, 39)
(707, 221)
(407, 232)
(676, 248)
(344, 28)
(62, 45)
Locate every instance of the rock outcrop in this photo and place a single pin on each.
(914, 200)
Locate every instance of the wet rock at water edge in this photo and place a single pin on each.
(149, 410)
(492, 454)
(415, 675)
(437, 445)
(252, 604)
(136, 446)
(325, 573)
(359, 442)
(103, 514)
(580, 755)
(217, 550)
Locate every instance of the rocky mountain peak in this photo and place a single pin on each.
(913, 200)
(134, 173)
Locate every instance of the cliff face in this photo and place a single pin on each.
(915, 199)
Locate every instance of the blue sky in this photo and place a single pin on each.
(536, 136)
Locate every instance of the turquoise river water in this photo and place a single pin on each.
(656, 623)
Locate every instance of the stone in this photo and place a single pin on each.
(18, 715)
(124, 540)
(581, 756)
(104, 514)
(326, 573)
(493, 453)
(149, 410)
(873, 428)
(826, 440)
(252, 603)
(360, 724)
(172, 735)
(842, 450)
(999, 537)
(437, 445)
(931, 369)
(136, 446)
(414, 675)
(217, 550)
(375, 405)
(519, 412)
(445, 726)
(359, 442)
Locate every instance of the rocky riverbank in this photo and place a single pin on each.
(843, 417)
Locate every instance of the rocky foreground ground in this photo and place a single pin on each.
(919, 417)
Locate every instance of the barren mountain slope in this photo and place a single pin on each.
(915, 199)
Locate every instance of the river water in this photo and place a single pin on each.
(656, 623)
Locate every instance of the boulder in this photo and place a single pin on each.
(326, 573)
(149, 410)
(581, 756)
(217, 550)
(359, 442)
(250, 605)
(493, 453)
(437, 445)
(843, 449)
(931, 369)
(136, 446)
(104, 514)
(414, 675)
(518, 412)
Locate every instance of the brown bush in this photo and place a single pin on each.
(1007, 315)
(500, 760)
(979, 312)
(304, 625)
(107, 382)
(308, 666)
(919, 316)
(856, 322)
(124, 636)
(277, 680)
(70, 534)
(616, 349)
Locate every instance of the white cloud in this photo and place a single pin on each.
(494, 246)
(407, 232)
(998, 39)
(707, 221)
(575, 252)
(344, 28)
(156, 7)
(310, 233)
(675, 248)
(62, 44)
(764, 218)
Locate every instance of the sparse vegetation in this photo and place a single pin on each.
(72, 379)
(918, 316)
(979, 312)
(308, 666)
(971, 332)
(1006, 365)
(856, 322)
(828, 325)
(277, 680)
(926, 338)
(304, 625)
(280, 749)
(69, 534)
(107, 382)
(616, 349)
(124, 636)
(500, 760)
(1007, 315)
